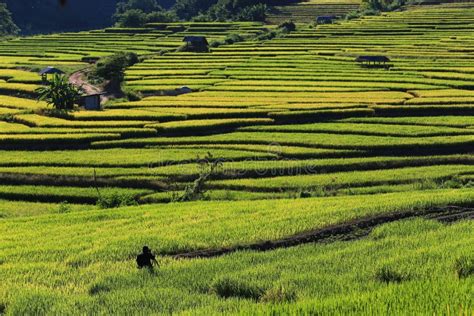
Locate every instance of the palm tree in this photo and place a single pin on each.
(59, 92)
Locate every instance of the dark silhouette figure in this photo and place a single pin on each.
(146, 259)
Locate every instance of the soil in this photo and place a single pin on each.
(340, 232)
(110, 89)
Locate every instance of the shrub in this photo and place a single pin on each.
(453, 183)
(278, 294)
(215, 44)
(115, 199)
(464, 267)
(230, 287)
(287, 26)
(132, 95)
(389, 275)
(353, 15)
(64, 207)
(305, 194)
(233, 38)
(113, 67)
(426, 184)
(267, 36)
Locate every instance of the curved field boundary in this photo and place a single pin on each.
(346, 231)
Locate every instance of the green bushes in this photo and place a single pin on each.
(133, 13)
(227, 287)
(7, 26)
(115, 199)
(388, 274)
(317, 116)
(464, 267)
(287, 27)
(113, 67)
(235, 287)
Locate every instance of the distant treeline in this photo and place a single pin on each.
(48, 16)
(136, 13)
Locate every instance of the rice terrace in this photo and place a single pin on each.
(267, 157)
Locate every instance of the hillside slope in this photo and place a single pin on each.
(37, 16)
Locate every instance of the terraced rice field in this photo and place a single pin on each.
(309, 142)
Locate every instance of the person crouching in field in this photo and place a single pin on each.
(146, 259)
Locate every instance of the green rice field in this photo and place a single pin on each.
(339, 189)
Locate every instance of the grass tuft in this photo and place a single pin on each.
(464, 267)
(388, 274)
(227, 287)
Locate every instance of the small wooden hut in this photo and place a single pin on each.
(374, 61)
(92, 102)
(196, 43)
(325, 19)
(49, 71)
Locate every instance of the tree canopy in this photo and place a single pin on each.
(7, 26)
(137, 13)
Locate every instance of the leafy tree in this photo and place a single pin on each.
(257, 12)
(161, 17)
(7, 26)
(136, 13)
(146, 6)
(131, 18)
(59, 93)
(187, 9)
(113, 67)
(381, 5)
(221, 10)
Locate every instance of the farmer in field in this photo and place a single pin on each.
(146, 259)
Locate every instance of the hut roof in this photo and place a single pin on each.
(326, 17)
(51, 70)
(382, 59)
(196, 40)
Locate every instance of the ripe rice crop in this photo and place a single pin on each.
(21, 103)
(39, 193)
(319, 140)
(453, 121)
(347, 179)
(366, 129)
(189, 127)
(43, 121)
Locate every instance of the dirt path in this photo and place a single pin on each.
(79, 79)
(347, 231)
